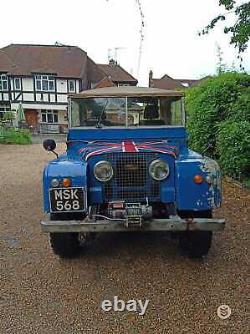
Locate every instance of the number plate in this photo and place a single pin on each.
(67, 200)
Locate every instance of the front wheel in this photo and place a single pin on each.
(196, 243)
(66, 245)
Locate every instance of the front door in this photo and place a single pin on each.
(31, 117)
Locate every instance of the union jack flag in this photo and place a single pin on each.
(128, 146)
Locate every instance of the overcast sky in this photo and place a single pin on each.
(171, 44)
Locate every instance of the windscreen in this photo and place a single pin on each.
(127, 112)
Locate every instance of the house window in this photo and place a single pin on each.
(49, 116)
(17, 84)
(3, 110)
(72, 86)
(3, 82)
(45, 83)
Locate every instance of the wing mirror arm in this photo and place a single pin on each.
(50, 145)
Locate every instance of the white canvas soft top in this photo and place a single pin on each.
(126, 91)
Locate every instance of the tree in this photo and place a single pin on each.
(240, 31)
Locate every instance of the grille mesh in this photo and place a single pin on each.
(131, 181)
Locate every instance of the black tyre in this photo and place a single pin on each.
(195, 244)
(66, 245)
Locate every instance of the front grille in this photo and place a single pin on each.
(131, 170)
(131, 181)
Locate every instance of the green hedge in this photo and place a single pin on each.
(216, 109)
(14, 136)
(233, 142)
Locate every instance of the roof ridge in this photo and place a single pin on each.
(166, 75)
(187, 79)
(126, 72)
(122, 68)
(42, 45)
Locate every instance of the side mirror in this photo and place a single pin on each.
(49, 145)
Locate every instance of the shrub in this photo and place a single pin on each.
(215, 100)
(233, 142)
(12, 136)
(9, 116)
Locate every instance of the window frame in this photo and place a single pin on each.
(74, 84)
(174, 116)
(45, 79)
(46, 113)
(20, 84)
(4, 79)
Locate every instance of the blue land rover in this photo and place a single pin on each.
(128, 168)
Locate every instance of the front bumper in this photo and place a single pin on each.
(174, 224)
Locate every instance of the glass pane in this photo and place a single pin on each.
(99, 112)
(44, 85)
(5, 85)
(17, 84)
(75, 113)
(71, 86)
(44, 118)
(51, 85)
(50, 118)
(176, 112)
(38, 85)
(55, 118)
(141, 111)
(154, 111)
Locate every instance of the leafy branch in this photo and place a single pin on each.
(240, 30)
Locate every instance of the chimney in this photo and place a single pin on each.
(150, 79)
(112, 62)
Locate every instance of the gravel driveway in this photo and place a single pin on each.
(42, 294)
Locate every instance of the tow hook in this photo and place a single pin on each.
(133, 222)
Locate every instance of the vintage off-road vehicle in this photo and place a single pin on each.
(128, 168)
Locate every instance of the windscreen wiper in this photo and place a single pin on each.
(98, 123)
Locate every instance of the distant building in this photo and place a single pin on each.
(115, 73)
(166, 82)
(40, 78)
